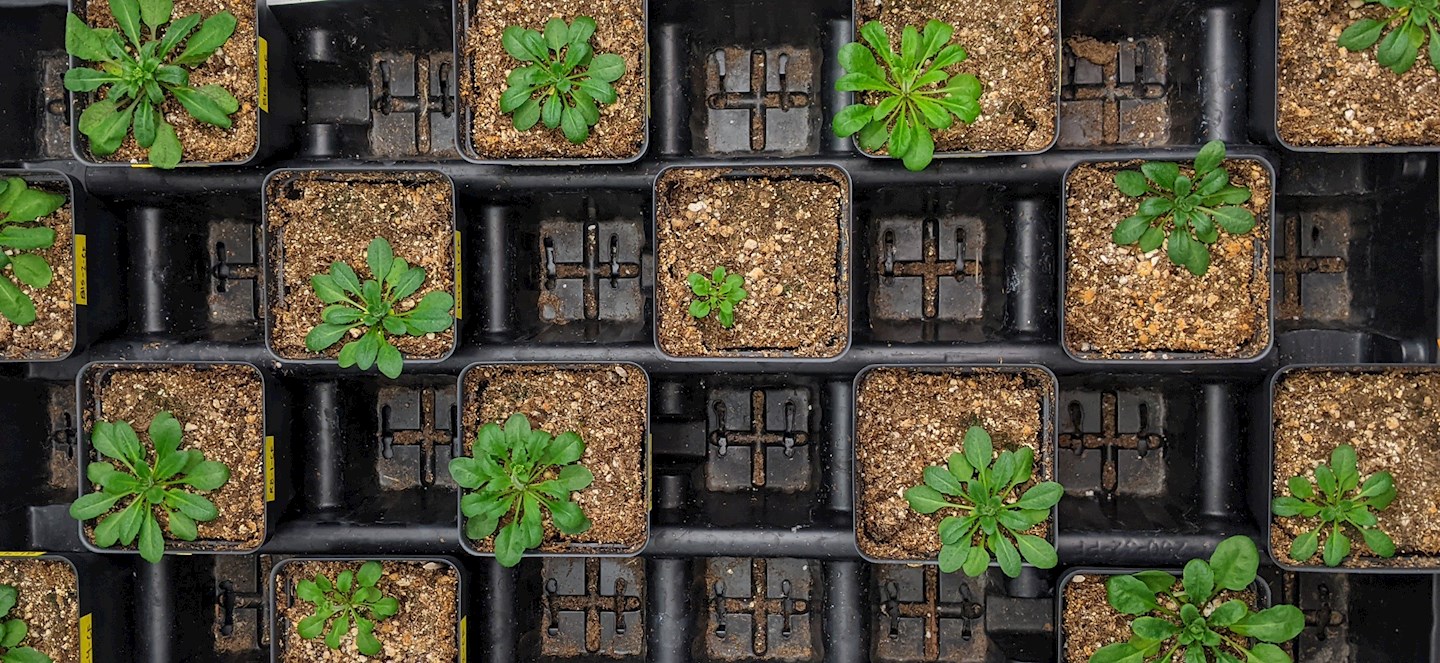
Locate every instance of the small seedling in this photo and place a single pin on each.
(352, 599)
(371, 307)
(1413, 20)
(21, 204)
(989, 519)
(139, 77)
(718, 294)
(1191, 622)
(13, 632)
(1337, 504)
(564, 70)
(916, 94)
(518, 473)
(1183, 208)
(162, 486)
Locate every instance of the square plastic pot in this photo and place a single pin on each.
(278, 489)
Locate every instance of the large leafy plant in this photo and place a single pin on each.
(371, 307)
(716, 295)
(1342, 500)
(989, 519)
(21, 204)
(139, 76)
(517, 474)
(916, 95)
(352, 600)
(1192, 621)
(565, 81)
(162, 485)
(1187, 209)
(1412, 21)
(13, 632)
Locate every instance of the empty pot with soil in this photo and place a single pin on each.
(1356, 77)
(1353, 473)
(915, 427)
(752, 262)
(40, 608)
(212, 69)
(362, 267)
(334, 609)
(541, 84)
(38, 311)
(176, 457)
(1136, 289)
(557, 460)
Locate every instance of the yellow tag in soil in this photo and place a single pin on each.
(269, 468)
(82, 272)
(22, 553)
(264, 75)
(464, 638)
(458, 280)
(87, 641)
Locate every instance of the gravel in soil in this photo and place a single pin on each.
(907, 420)
(52, 335)
(316, 218)
(1012, 47)
(1392, 420)
(1332, 96)
(233, 67)
(608, 406)
(49, 603)
(1120, 301)
(221, 412)
(422, 631)
(619, 29)
(786, 233)
(1089, 622)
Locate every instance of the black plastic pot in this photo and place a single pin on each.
(843, 251)
(461, 608)
(575, 549)
(277, 113)
(848, 97)
(273, 255)
(465, 12)
(275, 457)
(1261, 588)
(1047, 412)
(93, 241)
(1427, 565)
(1265, 270)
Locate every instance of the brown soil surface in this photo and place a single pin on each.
(1089, 623)
(234, 67)
(783, 232)
(907, 420)
(221, 409)
(1119, 300)
(52, 335)
(608, 406)
(620, 29)
(1391, 420)
(1013, 49)
(423, 631)
(49, 602)
(1332, 96)
(335, 216)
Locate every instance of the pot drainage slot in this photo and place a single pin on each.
(414, 425)
(240, 603)
(943, 278)
(593, 606)
(234, 273)
(1114, 93)
(1314, 287)
(413, 106)
(926, 615)
(1137, 433)
(590, 271)
(759, 100)
(759, 609)
(758, 439)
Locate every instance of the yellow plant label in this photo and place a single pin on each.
(264, 75)
(464, 638)
(87, 641)
(458, 280)
(82, 272)
(22, 553)
(269, 468)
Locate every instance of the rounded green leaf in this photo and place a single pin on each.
(1279, 623)
(1362, 34)
(1037, 551)
(924, 499)
(1007, 556)
(1235, 220)
(166, 152)
(183, 526)
(1337, 547)
(1179, 246)
(1119, 652)
(1131, 230)
(213, 34)
(1131, 183)
(976, 561)
(1152, 239)
(26, 238)
(1153, 628)
(385, 607)
(32, 270)
(1286, 507)
(954, 530)
(152, 545)
(852, 119)
(572, 124)
(92, 505)
(575, 477)
(325, 335)
(1304, 546)
(1209, 157)
(1300, 487)
(1377, 484)
(84, 42)
(1198, 581)
(1378, 541)
(1228, 613)
(1129, 595)
(952, 556)
(977, 447)
(208, 475)
(509, 545)
(568, 517)
(1041, 496)
(1234, 563)
(311, 627)
(921, 150)
(389, 361)
(192, 505)
(607, 67)
(940, 479)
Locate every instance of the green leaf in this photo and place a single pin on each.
(1209, 157)
(1234, 563)
(92, 505)
(573, 125)
(1131, 183)
(338, 629)
(1131, 230)
(574, 57)
(1235, 220)
(1007, 556)
(15, 630)
(208, 475)
(165, 434)
(311, 627)
(152, 546)
(1345, 465)
(369, 574)
(575, 477)
(1300, 487)
(389, 361)
(1041, 496)
(607, 67)
(1199, 262)
(1337, 547)
(432, 314)
(565, 449)
(1129, 595)
(1153, 207)
(921, 150)
(1037, 551)
(192, 505)
(515, 42)
(26, 238)
(977, 447)
(1286, 507)
(976, 561)
(1362, 34)
(166, 152)
(84, 42)
(568, 517)
(1376, 485)
(1378, 541)
(940, 479)
(365, 639)
(324, 336)
(1119, 652)
(1397, 53)
(379, 258)
(1304, 546)
(852, 119)
(156, 13)
(1228, 613)
(127, 15)
(26, 655)
(557, 34)
(1435, 44)
(1154, 628)
(1151, 239)
(147, 122)
(1325, 479)
(1267, 653)
(221, 97)
(213, 34)
(1156, 581)
(856, 58)
(1162, 173)
(385, 607)
(1179, 247)
(32, 270)
(177, 32)
(183, 527)
(924, 499)
(1198, 581)
(952, 556)
(581, 29)
(509, 545)
(83, 79)
(201, 106)
(1280, 623)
